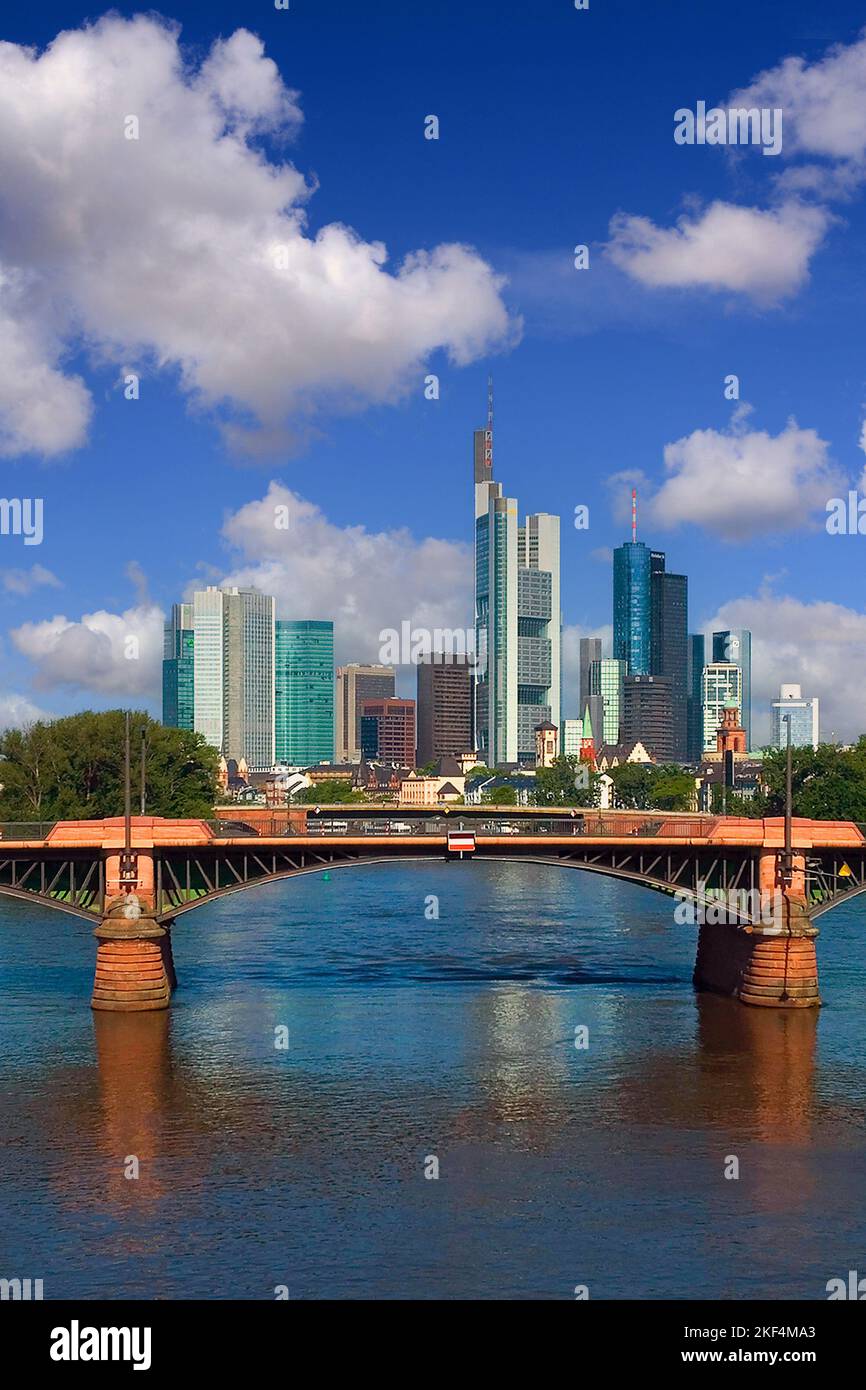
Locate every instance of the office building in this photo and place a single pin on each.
(695, 697)
(445, 718)
(632, 606)
(355, 684)
(735, 644)
(669, 604)
(178, 669)
(571, 736)
(606, 681)
(647, 716)
(517, 618)
(722, 685)
(388, 731)
(304, 692)
(802, 715)
(590, 651)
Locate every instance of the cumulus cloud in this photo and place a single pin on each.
(16, 712)
(187, 248)
(821, 646)
(741, 483)
(106, 653)
(762, 254)
(366, 581)
(23, 582)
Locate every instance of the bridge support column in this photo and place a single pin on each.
(772, 966)
(134, 964)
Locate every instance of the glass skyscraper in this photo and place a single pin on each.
(517, 619)
(803, 715)
(606, 679)
(696, 653)
(735, 644)
(669, 600)
(632, 613)
(304, 692)
(178, 669)
(722, 685)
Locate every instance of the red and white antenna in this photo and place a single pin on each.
(633, 515)
(488, 435)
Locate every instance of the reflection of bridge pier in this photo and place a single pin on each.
(135, 879)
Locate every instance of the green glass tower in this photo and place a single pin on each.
(304, 692)
(178, 669)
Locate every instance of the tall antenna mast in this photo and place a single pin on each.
(633, 515)
(488, 437)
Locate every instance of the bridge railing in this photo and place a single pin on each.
(26, 829)
(401, 822)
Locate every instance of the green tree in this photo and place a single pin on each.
(500, 796)
(333, 792)
(72, 769)
(672, 789)
(827, 783)
(633, 785)
(559, 784)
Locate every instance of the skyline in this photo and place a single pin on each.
(613, 379)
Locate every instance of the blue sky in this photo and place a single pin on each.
(554, 123)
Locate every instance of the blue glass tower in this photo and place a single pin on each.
(632, 611)
(304, 692)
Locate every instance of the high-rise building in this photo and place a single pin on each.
(735, 644)
(355, 684)
(219, 662)
(571, 737)
(632, 603)
(606, 680)
(669, 601)
(647, 714)
(802, 714)
(304, 692)
(178, 669)
(445, 723)
(722, 686)
(590, 651)
(517, 617)
(695, 699)
(388, 731)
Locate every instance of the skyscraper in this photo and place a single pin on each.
(647, 714)
(632, 608)
(695, 701)
(722, 686)
(590, 651)
(304, 692)
(355, 684)
(178, 669)
(517, 617)
(445, 689)
(388, 731)
(606, 680)
(219, 661)
(669, 596)
(735, 644)
(803, 714)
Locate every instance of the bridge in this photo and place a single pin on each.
(755, 888)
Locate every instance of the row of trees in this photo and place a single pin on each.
(72, 769)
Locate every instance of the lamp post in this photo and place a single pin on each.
(788, 857)
(143, 799)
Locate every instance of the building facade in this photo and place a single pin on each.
(445, 715)
(647, 714)
(802, 714)
(735, 644)
(632, 609)
(590, 651)
(669, 602)
(304, 692)
(695, 701)
(178, 669)
(388, 731)
(722, 686)
(355, 684)
(517, 618)
(606, 680)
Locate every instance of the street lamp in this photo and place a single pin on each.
(788, 857)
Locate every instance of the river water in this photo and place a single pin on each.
(416, 1042)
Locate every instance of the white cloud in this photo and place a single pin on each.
(106, 653)
(743, 483)
(366, 581)
(820, 645)
(17, 581)
(763, 254)
(16, 712)
(187, 249)
(824, 103)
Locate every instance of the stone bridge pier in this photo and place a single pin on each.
(134, 964)
(771, 962)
